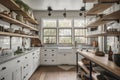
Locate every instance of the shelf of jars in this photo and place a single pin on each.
(6, 18)
(13, 6)
(105, 19)
(17, 35)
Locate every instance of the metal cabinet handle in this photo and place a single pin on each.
(18, 61)
(52, 50)
(45, 50)
(33, 53)
(52, 54)
(45, 54)
(3, 78)
(3, 68)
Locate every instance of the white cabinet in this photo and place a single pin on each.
(66, 56)
(48, 56)
(20, 68)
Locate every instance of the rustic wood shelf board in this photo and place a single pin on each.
(105, 34)
(107, 18)
(98, 8)
(10, 4)
(102, 61)
(80, 63)
(13, 21)
(16, 35)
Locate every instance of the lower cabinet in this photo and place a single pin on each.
(20, 68)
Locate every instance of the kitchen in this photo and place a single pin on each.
(59, 40)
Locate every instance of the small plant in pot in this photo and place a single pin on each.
(117, 59)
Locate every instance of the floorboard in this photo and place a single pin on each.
(53, 73)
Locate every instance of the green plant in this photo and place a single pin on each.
(21, 3)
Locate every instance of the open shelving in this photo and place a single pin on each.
(94, 75)
(10, 4)
(101, 1)
(117, 33)
(16, 35)
(107, 18)
(100, 7)
(14, 21)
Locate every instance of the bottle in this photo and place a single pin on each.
(110, 53)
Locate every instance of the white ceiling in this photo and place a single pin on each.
(56, 4)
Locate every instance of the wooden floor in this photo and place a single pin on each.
(53, 73)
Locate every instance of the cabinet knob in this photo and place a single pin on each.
(53, 60)
(45, 54)
(45, 60)
(3, 78)
(25, 57)
(33, 53)
(24, 67)
(52, 54)
(3, 68)
(45, 50)
(52, 50)
(18, 61)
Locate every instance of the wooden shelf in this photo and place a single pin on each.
(105, 34)
(10, 4)
(16, 35)
(94, 75)
(101, 1)
(107, 18)
(102, 61)
(98, 8)
(13, 21)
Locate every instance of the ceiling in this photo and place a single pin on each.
(56, 4)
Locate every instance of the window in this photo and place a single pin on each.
(79, 23)
(65, 36)
(49, 23)
(79, 35)
(63, 31)
(49, 35)
(65, 23)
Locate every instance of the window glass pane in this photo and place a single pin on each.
(49, 23)
(79, 23)
(79, 32)
(49, 39)
(65, 40)
(65, 23)
(80, 39)
(65, 32)
(48, 32)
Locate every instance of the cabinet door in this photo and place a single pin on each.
(7, 76)
(17, 74)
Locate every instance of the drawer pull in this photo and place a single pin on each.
(53, 60)
(33, 53)
(3, 78)
(45, 54)
(3, 68)
(52, 50)
(24, 67)
(45, 50)
(18, 61)
(52, 54)
(45, 60)
(25, 57)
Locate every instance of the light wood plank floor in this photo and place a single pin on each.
(53, 73)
